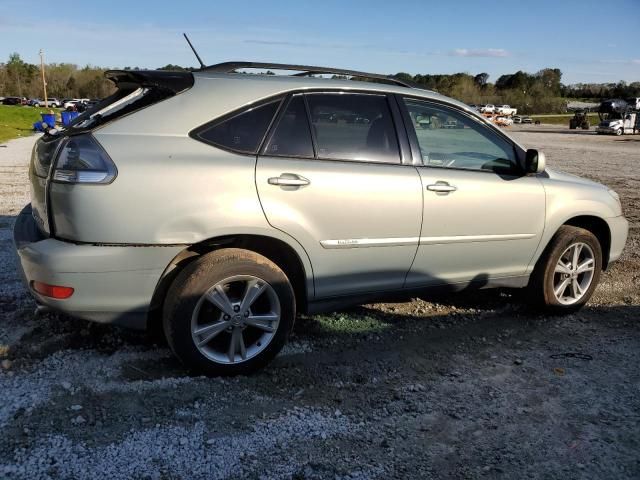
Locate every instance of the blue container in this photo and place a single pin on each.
(37, 126)
(68, 117)
(49, 119)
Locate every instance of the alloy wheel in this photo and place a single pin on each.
(235, 319)
(573, 273)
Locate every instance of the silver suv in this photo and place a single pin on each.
(220, 204)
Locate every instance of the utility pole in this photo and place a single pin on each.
(44, 81)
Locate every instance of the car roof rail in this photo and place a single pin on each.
(304, 70)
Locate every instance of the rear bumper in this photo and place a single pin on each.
(619, 227)
(112, 284)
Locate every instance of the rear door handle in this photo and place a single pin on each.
(289, 180)
(441, 187)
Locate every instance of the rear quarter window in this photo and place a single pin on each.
(240, 132)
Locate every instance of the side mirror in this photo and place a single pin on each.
(535, 161)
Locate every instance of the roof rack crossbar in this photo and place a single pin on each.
(231, 67)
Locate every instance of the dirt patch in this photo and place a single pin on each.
(467, 386)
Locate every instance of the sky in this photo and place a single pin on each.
(590, 41)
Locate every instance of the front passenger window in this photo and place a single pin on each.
(450, 139)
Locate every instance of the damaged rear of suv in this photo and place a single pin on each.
(68, 266)
(219, 205)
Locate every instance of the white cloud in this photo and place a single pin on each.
(636, 61)
(482, 52)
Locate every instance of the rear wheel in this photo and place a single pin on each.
(568, 271)
(229, 312)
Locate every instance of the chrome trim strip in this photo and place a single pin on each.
(400, 242)
(369, 242)
(475, 238)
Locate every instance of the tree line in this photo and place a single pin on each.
(540, 92)
(64, 80)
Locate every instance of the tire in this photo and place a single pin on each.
(186, 310)
(585, 126)
(545, 278)
(572, 124)
(619, 132)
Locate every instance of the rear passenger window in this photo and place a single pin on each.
(242, 132)
(351, 126)
(292, 136)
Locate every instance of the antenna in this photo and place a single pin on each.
(202, 65)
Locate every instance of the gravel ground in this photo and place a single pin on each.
(467, 386)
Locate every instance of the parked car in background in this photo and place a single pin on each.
(14, 101)
(38, 102)
(53, 102)
(250, 206)
(505, 110)
(487, 108)
(503, 121)
(73, 102)
(527, 120)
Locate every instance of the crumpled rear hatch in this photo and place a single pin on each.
(135, 90)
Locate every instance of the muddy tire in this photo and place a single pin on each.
(229, 312)
(568, 271)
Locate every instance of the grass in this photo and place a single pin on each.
(17, 121)
(563, 119)
(343, 324)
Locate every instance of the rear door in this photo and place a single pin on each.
(331, 175)
(483, 218)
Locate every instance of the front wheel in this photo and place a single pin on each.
(568, 271)
(229, 312)
(619, 132)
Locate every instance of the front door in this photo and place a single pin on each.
(483, 218)
(330, 175)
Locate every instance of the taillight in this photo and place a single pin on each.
(83, 160)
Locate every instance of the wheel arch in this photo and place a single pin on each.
(599, 227)
(277, 250)
(593, 223)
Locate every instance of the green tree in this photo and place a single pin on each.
(481, 79)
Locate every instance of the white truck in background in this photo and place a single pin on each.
(619, 117)
(505, 110)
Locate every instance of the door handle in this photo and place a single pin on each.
(289, 180)
(441, 187)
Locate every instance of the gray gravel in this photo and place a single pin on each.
(466, 386)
